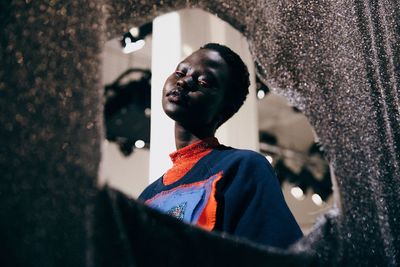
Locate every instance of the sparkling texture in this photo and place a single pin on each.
(337, 61)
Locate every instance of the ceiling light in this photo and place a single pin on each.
(269, 158)
(132, 46)
(297, 192)
(134, 31)
(139, 144)
(260, 94)
(317, 199)
(147, 112)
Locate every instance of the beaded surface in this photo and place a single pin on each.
(337, 61)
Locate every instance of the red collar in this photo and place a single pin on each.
(185, 158)
(193, 149)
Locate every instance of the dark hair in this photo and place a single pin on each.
(238, 84)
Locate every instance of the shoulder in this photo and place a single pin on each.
(246, 156)
(248, 173)
(244, 162)
(151, 189)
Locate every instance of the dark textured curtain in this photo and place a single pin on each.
(337, 61)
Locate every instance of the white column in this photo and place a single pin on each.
(175, 36)
(166, 53)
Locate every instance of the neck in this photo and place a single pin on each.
(185, 137)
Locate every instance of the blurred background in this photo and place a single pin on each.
(139, 136)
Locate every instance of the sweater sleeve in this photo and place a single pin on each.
(254, 206)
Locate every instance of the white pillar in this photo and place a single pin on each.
(175, 36)
(166, 53)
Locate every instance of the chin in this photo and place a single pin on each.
(173, 110)
(176, 115)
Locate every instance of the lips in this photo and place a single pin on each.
(175, 96)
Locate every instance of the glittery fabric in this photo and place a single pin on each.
(338, 61)
(50, 117)
(178, 211)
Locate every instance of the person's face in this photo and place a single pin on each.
(193, 95)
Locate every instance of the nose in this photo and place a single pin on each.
(185, 82)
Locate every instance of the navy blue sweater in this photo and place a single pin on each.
(250, 203)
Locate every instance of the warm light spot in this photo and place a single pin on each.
(134, 31)
(317, 199)
(297, 192)
(147, 112)
(139, 144)
(260, 94)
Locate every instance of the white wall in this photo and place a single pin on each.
(128, 174)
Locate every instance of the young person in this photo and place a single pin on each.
(210, 185)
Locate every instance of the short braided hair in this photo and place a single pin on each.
(239, 83)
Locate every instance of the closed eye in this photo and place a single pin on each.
(179, 74)
(203, 83)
